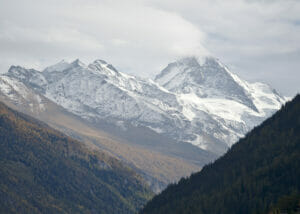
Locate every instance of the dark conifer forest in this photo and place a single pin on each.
(259, 174)
(44, 171)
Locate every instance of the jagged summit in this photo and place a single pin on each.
(64, 65)
(100, 64)
(210, 79)
(191, 100)
(60, 66)
(78, 63)
(18, 70)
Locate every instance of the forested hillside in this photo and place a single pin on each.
(259, 174)
(44, 171)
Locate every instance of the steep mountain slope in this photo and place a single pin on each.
(159, 166)
(256, 173)
(203, 104)
(219, 102)
(15, 92)
(44, 171)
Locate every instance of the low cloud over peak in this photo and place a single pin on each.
(257, 39)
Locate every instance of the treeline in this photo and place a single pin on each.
(44, 171)
(252, 177)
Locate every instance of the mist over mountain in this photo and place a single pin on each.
(142, 106)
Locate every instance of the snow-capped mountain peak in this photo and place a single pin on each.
(20, 72)
(200, 102)
(78, 63)
(210, 79)
(64, 65)
(101, 65)
(60, 66)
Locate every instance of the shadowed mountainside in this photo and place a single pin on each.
(44, 171)
(261, 170)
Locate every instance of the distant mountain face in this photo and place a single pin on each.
(208, 80)
(199, 103)
(14, 91)
(259, 174)
(209, 92)
(159, 160)
(44, 171)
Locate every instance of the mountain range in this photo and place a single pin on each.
(191, 113)
(202, 103)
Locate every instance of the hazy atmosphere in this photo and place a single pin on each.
(150, 107)
(258, 40)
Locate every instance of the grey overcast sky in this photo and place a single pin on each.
(257, 39)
